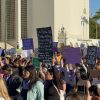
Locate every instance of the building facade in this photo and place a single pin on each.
(21, 18)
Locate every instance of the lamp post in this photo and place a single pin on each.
(5, 25)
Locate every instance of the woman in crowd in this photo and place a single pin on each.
(48, 82)
(3, 90)
(36, 87)
(71, 77)
(57, 88)
(76, 96)
(27, 76)
(13, 81)
(98, 64)
(94, 92)
(52, 93)
(80, 84)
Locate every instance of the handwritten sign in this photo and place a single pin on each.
(45, 47)
(72, 55)
(95, 73)
(27, 44)
(91, 55)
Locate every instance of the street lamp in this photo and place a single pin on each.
(5, 25)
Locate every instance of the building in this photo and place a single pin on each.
(22, 17)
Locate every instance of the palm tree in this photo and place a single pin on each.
(96, 17)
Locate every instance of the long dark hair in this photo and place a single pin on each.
(94, 89)
(33, 75)
(54, 76)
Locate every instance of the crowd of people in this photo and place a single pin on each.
(20, 80)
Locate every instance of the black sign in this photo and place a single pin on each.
(45, 44)
(91, 55)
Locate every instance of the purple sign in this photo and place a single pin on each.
(98, 52)
(0, 51)
(27, 44)
(72, 55)
(55, 46)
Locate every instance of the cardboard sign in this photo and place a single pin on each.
(72, 55)
(45, 44)
(95, 73)
(27, 53)
(91, 55)
(27, 44)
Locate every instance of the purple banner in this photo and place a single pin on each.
(72, 55)
(27, 44)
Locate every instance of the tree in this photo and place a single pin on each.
(96, 17)
(92, 29)
(94, 26)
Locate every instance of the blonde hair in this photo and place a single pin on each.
(3, 89)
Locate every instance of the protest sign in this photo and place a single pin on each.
(55, 46)
(72, 55)
(23, 53)
(26, 53)
(94, 73)
(0, 52)
(98, 52)
(13, 51)
(27, 44)
(36, 63)
(45, 47)
(91, 55)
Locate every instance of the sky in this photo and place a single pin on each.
(94, 6)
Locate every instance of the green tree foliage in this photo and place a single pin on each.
(94, 26)
(92, 29)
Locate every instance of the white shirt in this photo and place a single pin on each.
(1, 98)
